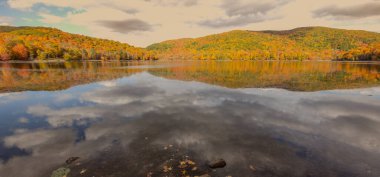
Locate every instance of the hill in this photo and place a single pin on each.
(297, 44)
(28, 43)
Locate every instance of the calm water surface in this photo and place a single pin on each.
(265, 119)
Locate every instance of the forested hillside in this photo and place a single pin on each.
(28, 43)
(312, 43)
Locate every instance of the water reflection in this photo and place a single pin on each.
(137, 125)
(58, 75)
(291, 75)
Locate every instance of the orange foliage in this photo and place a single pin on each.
(311, 43)
(21, 43)
(4, 53)
(20, 52)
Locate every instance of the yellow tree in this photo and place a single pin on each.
(4, 55)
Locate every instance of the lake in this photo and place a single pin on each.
(172, 118)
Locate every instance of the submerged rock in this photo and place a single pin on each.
(60, 172)
(217, 164)
(83, 171)
(205, 175)
(71, 160)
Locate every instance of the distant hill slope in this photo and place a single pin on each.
(300, 43)
(26, 43)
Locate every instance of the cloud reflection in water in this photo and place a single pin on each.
(280, 133)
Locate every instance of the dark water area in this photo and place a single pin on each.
(172, 119)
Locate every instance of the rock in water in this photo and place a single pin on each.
(61, 172)
(217, 164)
(71, 160)
(205, 175)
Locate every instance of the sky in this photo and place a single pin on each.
(144, 22)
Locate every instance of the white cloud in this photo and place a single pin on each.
(51, 19)
(11, 97)
(28, 140)
(198, 117)
(5, 21)
(303, 112)
(27, 4)
(241, 13)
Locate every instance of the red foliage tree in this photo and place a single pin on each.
(20, 52)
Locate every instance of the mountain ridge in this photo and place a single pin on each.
(29, 43)
(303, 43)
(268, 31)
(299, 43)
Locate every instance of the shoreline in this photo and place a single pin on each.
(223, 60)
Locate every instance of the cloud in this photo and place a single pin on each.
(130, 11)
(65, 117)
(121, 95)
(174, 2)
(145, 94)
(358, 11)
(50, 19)
(127, 10)
(53, 146)
(64, 98)
(23, 120)
(231, 22)
(28, 4)
(284, 129)
(183, 18)
(24, 139)
(12, 97)
(240, 13)
(5, 21)
(237, 8)
(126, 26)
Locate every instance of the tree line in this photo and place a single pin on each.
(312, 43)
(28, 43)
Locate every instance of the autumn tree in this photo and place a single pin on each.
(4, 55)
(45, 43)
(310, 43)
(19, 52)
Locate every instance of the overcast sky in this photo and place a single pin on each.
(143, 22)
